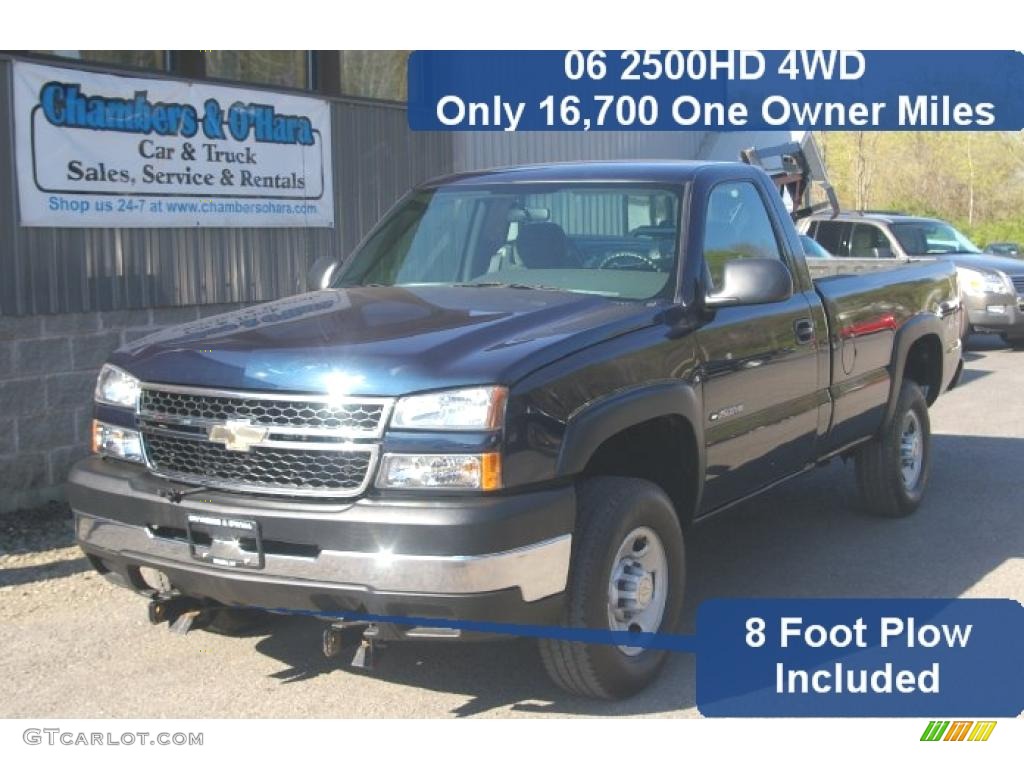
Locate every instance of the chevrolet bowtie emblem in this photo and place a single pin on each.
(237, 435)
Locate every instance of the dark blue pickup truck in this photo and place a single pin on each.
(509, 404)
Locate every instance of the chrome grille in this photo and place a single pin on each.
(343, 471)
(1018, 283)
(360, 418)
(310, 445)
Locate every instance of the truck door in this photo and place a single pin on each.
(760, 363)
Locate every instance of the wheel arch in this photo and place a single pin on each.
(656, 429)
(917, 355)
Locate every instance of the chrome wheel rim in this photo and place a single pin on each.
(911, 450)
(638, 585)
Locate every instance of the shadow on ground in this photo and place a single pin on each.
(983, 342)
(41, 529)
(803, 539)
(58, 569)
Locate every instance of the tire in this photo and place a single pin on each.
(888, 487)
(615, 512)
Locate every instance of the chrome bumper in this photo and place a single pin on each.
(538, 571)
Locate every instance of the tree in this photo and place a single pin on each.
(975, 180)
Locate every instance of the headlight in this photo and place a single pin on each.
(475, 408)
(975, 283)
(480, 472)
(117, 442)
(117, 387)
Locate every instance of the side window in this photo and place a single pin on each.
(869, 242)
(831, 236)
(737, 227)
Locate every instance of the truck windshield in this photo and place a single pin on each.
(921, 238)
(613, 240)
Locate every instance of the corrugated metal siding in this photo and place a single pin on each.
(474, 151)
(588, 215)
(376, 158)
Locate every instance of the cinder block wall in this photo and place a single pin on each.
(48, 367)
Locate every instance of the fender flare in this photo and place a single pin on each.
(587, 429)
(913, 330)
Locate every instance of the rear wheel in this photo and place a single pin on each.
(892, 469)
(627, 574)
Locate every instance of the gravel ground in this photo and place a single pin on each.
(38, 559)
(76, 646)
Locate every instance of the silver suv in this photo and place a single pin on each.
(992, 287)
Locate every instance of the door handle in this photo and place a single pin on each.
(804, 330)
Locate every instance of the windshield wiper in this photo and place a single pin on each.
(518, 286)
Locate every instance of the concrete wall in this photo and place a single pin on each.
(48, 367)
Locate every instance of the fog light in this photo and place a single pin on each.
(116, 442)
(457, 471)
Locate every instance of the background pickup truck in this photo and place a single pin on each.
(509, 404)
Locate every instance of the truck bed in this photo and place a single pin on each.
(865, 310)
(820, 268)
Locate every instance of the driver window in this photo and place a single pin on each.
(737, 227)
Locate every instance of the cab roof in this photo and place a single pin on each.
(881, 216)
(656, 171)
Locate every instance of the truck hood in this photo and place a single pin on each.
(382, 340)
(1012, 267)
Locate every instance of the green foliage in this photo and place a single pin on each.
(974, 180)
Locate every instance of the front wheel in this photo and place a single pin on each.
(627, 574)
(892, 469)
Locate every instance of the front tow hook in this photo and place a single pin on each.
(366, 652)
(180, 613)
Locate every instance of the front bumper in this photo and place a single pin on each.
(996, 313)
(502, 558)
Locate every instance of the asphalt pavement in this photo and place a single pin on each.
(72, 645)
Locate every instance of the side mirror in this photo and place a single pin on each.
(321, 273)
(882, 253)
(751, 281)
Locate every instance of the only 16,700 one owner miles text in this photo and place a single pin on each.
(630, 111)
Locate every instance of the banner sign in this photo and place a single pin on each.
(719, 90)
(860, 658)
(96, 150)
(815, 657)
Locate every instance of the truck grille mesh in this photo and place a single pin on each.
(344, 471)
(310, 445)
(352, 418)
